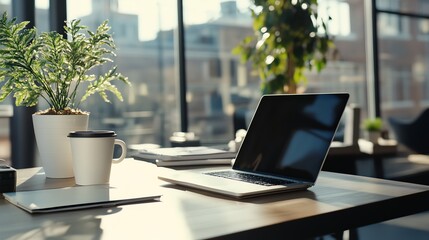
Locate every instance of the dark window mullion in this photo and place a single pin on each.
(23, 143)
(57, 15)
(182, 68)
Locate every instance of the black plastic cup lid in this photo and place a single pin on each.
(92, 134)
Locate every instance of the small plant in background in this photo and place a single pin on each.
(373, 124)
(54, 68)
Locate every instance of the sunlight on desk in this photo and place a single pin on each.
(337, 202)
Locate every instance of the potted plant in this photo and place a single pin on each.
(373, 127)
(289, 37)
(49, 67)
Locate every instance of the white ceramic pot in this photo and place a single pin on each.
(373, 136)
(54, 147)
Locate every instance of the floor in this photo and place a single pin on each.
(414, 227)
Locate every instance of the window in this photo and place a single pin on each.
(5, 106)
(423, 25)
(217, 83)
(340, 13)
(42, 15)
(391, 25)
(144, 33)
(403, 61)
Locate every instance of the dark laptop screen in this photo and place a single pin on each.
(290, 135)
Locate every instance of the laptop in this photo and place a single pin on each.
(284, 149)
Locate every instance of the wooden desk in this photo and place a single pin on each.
(336, 203)
(343, 158)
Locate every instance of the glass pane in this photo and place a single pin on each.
(403, 57)
(391, 24)
(404, 6)
(403, 71)
(5, 6)
(218, 84)
(5, 106)
(215, 82)
(346, 70)
(42, 15)
(144, 33)
(221, 87)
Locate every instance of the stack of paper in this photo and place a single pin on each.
(384, 146)
(184, 156)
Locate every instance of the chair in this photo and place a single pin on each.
(412, 133)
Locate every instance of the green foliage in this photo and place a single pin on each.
(372, 125)
(54, 68)
(287, 39)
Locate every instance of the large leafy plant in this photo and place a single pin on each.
(54, 68)
(289, 37)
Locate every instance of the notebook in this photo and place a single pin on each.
(79, 197)
(184, 156)
(287, 142)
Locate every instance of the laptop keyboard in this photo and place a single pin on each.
(245, 177)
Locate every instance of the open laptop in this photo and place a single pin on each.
(284, 149)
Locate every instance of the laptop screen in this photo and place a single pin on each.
(289, 135)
